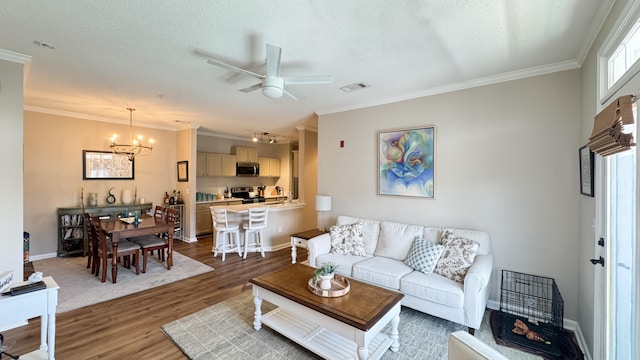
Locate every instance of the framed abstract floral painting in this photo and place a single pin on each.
(406, 162)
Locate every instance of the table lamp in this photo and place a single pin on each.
(323, 203)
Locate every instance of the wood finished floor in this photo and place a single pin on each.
(129, 327)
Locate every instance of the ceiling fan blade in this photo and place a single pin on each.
(274, 54)
(251, 88)
(233, 68)
(292, 94)
(299, 80)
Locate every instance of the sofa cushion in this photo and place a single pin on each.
(432, 234)
(347, 239)
(424, 255)
(396, 239)
(344, 262)
(482, 237)
(381, 271)
(370, 231)
(457, 258)
(433, 287)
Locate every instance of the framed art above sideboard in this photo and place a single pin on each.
(105, 165)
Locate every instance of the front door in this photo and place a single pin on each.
(616, 287)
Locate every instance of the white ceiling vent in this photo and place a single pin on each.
(354, 87)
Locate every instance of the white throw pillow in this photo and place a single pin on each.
(396, 239)
(347, 239)
(424, 255)
(457, 257)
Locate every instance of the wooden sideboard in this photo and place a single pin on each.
(72, 237)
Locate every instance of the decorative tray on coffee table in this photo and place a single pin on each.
(339, 287)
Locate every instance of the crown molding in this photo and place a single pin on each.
(602, 13)
(14, 56)
(307, 128)
(483, 81)
(94, 117)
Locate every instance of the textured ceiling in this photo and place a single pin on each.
(151, 55)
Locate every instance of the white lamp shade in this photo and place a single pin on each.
(323, 203)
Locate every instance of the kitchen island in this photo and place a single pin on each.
(283, 219)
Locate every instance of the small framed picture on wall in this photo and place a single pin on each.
(183, 171)
(586, 171)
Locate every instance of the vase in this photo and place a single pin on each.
(325, 281)
(126, 196)
(93, 199)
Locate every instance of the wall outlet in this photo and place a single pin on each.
(279, 228)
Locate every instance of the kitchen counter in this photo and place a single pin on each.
(282, 220)
(218, 200)
(273, 207)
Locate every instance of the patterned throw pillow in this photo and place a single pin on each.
(347, 239)
(424, 255)
(457, 258)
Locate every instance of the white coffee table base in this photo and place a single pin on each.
(323, 335)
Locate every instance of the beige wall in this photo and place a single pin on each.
(11, 219)
(308, 175)
(53, 147)
(506, 162)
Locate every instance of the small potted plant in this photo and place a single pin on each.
(325, 274)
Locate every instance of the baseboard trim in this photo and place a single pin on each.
(568, 324)
(42, 256)
(575, 327)
(188, 240)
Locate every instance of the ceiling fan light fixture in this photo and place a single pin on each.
(273, 87)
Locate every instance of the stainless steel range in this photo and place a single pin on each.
(247, 195)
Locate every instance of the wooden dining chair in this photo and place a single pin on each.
(223, 229)
(91, 255)
(126, 249)
(151, 243)
(256, 222)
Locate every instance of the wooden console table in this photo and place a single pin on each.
(15, 310)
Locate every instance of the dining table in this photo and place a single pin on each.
(119, 228)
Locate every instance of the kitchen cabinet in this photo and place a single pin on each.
(246, 154)
(204, 222)
(201, 164)
(269, 167)
(210, 164)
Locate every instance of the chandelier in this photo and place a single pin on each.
(265, 137)
(135, 147)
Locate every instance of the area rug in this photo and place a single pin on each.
(225, 331)
(78, 288)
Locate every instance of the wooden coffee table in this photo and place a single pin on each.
(334, 328)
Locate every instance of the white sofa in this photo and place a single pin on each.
(432, 294)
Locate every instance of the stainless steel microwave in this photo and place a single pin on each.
(247, 169)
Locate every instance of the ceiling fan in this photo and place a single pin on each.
(273, 85)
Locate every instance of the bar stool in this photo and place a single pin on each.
(223, 227)
(256, 223)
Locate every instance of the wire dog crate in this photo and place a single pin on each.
(531, 312)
